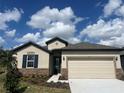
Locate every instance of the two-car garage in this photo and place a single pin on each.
(91, 68)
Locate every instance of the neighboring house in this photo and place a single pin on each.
(82, 60)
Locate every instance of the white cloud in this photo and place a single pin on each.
(61, 30)
(1, 41)
(114, 41)
(42, 41)
(105, 31)
(10, 33)
(55, 22)
(29, 37)
(99, 4)
(111, 6)
(7, 16)
(114, 7)
(74, 40)
(109, 32)
(44, 18)
(120, 11)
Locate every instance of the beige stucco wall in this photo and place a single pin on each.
(66, 54)
(43, 57)
(56, 45)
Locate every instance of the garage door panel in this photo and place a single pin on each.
(91, 63)
(89, 73)
(91, 69)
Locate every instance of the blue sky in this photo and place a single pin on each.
(95, 21)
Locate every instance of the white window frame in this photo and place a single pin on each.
(30, 61)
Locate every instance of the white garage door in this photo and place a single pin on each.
(91, 68)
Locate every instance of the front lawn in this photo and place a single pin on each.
(27, 87)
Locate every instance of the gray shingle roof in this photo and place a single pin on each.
(122, 52)
(85, 45)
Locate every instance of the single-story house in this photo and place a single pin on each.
(82, 60)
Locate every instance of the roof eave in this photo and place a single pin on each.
(88, 50)
(26, 45)
(56, 38)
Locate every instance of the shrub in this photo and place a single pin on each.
(12, 74)
(12, 81)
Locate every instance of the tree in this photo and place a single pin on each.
(12, 74)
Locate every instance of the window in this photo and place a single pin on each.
(30, 61)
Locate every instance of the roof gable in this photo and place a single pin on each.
(28, 44)
(56, 39)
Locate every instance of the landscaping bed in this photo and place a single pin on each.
(62, 78)
(37, 84)
(41, 81)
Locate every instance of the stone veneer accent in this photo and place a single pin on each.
(120, 74)
(64, 72)
(34, 71)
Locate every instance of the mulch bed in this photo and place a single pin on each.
(58, 85)
(62, 78)
(41, 81)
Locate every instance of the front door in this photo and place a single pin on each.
(56, 64)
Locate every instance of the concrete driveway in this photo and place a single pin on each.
(96, 86)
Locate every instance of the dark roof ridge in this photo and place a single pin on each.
(57, 38)
(27, 44)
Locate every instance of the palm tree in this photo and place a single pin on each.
(6, 57)
(12, 75)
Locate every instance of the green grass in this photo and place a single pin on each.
(32, 88)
